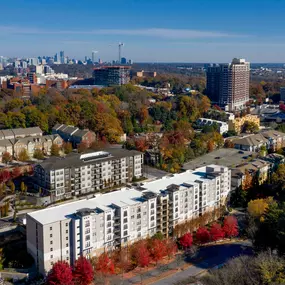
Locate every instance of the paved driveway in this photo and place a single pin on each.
(212, 256)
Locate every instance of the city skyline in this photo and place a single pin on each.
(164, 31)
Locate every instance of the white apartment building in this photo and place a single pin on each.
(84, 173)
(223, 127)
(91, 226)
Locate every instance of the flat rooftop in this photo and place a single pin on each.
(79, 159)
(122, 197)
(229, 157)
(102, 201)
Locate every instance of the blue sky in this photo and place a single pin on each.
(152, 30)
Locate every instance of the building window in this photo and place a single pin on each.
(51, 249)
(51, 242)
(125, 233)
(67, 245)
(66, 231)
(50, 235)
(66, 224)
(108, 217)
(51, 257)
(152, 206)
(50, 228)
(125, 213)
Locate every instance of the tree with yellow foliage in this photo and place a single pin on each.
(256, 208)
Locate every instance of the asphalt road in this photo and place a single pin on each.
(212, 256)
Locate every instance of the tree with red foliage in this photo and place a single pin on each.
(141, 144)
(186, 240)
(83, 272)
(157, 249)
(16, 172)
(142, 255)
(203, 235)
(4, 175)
(171, 247)
(218, 108)
(230, 227)
(282, 107)
(60, 274)
(105, 265)
(216, 232)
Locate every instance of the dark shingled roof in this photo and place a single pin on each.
(73, 159)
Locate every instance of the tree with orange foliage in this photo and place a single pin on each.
(105, 265)
(141, 144)
(171, 247)
(122, 260)
(143, 115)
(210, 146)
(229, 144)
(6, 157)
(247, 181)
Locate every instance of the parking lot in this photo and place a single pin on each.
(229, 157)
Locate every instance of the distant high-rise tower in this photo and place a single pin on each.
(228, 84)
(123, 60)
(56, 58)
(93, 56)
(61, 54)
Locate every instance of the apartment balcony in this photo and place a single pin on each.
(117, 229)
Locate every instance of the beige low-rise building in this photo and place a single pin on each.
(15, 146)
(30, 144)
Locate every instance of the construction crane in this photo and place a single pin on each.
(120, 51)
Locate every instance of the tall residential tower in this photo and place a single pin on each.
(228, 84)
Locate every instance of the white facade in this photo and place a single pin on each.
(223, 127)
(91, 226)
